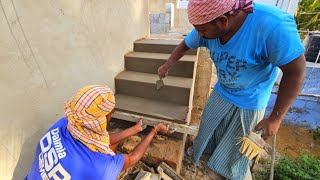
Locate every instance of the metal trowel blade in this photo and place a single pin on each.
(159, 84)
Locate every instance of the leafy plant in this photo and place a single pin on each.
(316, 134)
(307, 167)
(308, 15)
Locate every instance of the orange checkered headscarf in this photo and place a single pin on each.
(86, 114)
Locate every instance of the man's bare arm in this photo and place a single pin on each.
(177, 53)
(290, 85)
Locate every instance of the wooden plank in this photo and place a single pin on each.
(181, 128)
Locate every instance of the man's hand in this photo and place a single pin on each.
(163, 128)
(140, 126)
(270, 127)
(163, 70)
(177, 53)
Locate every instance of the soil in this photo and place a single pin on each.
(293, 140)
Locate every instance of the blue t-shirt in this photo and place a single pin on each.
(247, 65)
(60, 156)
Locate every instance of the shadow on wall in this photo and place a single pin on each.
(26, 156)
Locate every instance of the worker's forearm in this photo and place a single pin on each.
(119, 136)
(141, 148)
(177, 53)
(289, 89)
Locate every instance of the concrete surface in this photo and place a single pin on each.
(150, 62)
(160, 23)
(153, 108)
(202, 84)
(159, 46)
(48, 50)
(181, 22)
(305, 110)
(175, 89)
(136, 93)
(158, 6)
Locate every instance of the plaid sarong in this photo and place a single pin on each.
(222, 125)
(86, 114)
(204, 11)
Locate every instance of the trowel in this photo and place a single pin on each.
(159, 84)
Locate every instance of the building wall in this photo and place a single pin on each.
(158, 6)
(48, 50)
(181, 22)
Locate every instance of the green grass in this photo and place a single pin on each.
(307, 167)
(316, 134)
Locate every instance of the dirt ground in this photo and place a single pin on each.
(291, 141)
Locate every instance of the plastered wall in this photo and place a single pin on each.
(48, 50)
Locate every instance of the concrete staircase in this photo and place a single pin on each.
(135, 87)
(136, 96)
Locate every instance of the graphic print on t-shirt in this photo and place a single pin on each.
(228, 67)
(52, 151)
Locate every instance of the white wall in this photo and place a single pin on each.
(158, 6)
(48, 50)
(289, 6)
(181, 22)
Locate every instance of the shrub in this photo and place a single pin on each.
(307, 167)
(316, 134)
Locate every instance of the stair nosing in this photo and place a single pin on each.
(185, 58)
(152, 42)
(167, 80)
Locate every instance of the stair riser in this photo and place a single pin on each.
(181, 69)
(159, 48)
(148, 90)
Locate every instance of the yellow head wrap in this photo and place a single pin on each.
(86, 114)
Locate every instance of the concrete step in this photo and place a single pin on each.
(175, 89)
(151, 108)
(150, 62)
(159, 46)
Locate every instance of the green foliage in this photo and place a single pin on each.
(307, 167)
(316, 134)
(308, 15)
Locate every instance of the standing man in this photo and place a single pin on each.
(247, 42)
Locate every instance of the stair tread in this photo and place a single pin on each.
(150, 55)
(174, 81)
(159, 41)
(152, 108)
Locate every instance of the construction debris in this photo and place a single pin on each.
(164, 176)
(155, 176)
(170, 172)
(143, 172)
(143, 175)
